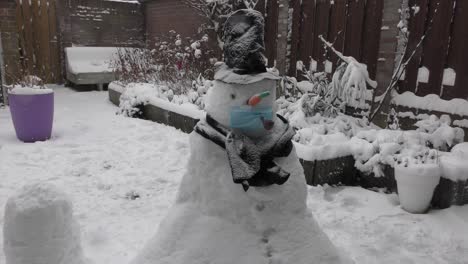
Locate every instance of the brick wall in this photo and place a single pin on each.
(165, 15)
(9, 37)
(100, 23)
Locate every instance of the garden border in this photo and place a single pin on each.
(335, 171)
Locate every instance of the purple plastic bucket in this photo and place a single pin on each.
(32, 116)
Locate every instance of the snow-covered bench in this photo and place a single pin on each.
(90, 65)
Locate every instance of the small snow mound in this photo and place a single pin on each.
(461, 150)
(39, 227)
(30, 90)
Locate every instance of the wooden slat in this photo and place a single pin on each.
(321, 28)
(295, 35)
(54, 45)
(44, 39)
(458, 55)
(271, 31)
(36, 28)
(354, 28)
(22, 46)
(371, 35)
(417, 29)
(28, 35)
(337, 29)
(307, 39)
(436, 46)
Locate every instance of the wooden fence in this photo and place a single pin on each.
(353, 26)
(443, 57)
(39, 46)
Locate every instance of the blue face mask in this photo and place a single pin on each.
(248, 118)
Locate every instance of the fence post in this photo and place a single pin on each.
(282, 40)
(387, 53)
(2, 76)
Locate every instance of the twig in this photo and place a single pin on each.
(402, 67)
(330, 46)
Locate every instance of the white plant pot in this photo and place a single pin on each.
(416, 184)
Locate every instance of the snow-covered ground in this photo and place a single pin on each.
(103, 161)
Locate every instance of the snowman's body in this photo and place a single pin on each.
(215, 221)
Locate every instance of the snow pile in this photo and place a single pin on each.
(262, 225)
(135, 95)
(34, 90)
(454, 164)
(439, 133)
(431, 102)
(322, 138)
(374, 149)
(40, 228)
(90, 59)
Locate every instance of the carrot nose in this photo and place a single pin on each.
(256, 99)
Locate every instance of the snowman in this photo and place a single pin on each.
(243, 198)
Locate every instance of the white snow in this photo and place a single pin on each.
(431, 102)
(30, 90)
(454, 165)
(90, 59)
(449, 77)
(416, 184)
(461, 123)
(423, 75)
(99, 157)
(134, 94)
(40, 227)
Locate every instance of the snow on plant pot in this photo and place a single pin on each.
(32, 110)
(417, 177)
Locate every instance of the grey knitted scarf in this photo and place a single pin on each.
(251, 161)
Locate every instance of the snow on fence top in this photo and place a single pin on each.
(432, 102)
(89, 59)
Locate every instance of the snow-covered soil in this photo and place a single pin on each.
(104, 161)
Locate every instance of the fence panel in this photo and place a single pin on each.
(271, 32)
(307, 32)
(340, 22)
(436, 46)
(458, 59)
(371, 35)
(416, 27)
(37, 30)
(354, 28)
(295, 35)
(337, 28)
(321, 29)
(54, 43)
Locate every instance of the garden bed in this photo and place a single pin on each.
(155, 111)
(331, 171)
(334, 171)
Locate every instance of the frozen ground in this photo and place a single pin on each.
(103, 161)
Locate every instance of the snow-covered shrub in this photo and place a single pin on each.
(136, 95)
(441, 135)
(133, 65)
(350, 84)
(175, 68)
(390, 147)
(180, 60)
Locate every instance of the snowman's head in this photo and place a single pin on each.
(228, 104)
